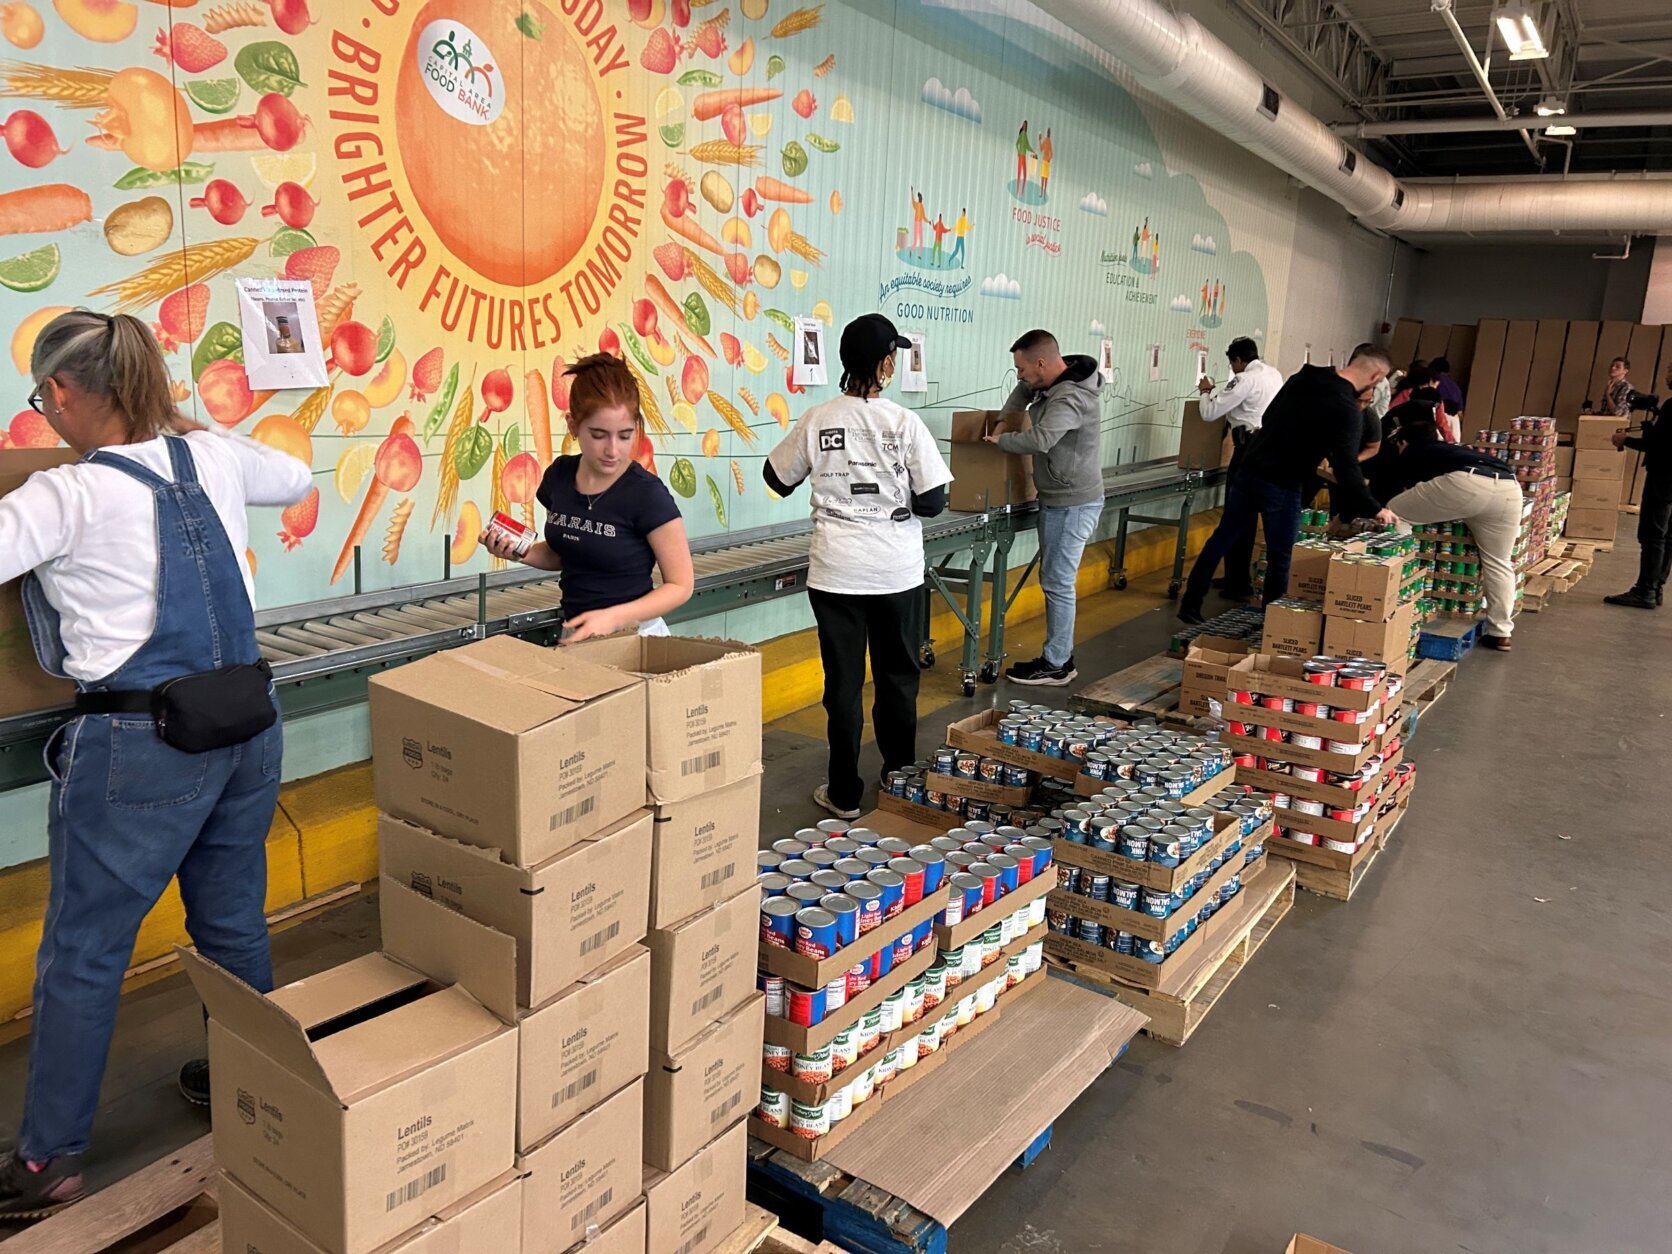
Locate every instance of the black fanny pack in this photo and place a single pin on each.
(196, 713)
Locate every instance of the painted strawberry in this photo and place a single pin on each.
(317, 265)
(671, 257)
(190, 47)
(426, 374)
(300, 520)
(710, 40)
(560, 385)
(661, 52)
(181, 317)
(805, 103)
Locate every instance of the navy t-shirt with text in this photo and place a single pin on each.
(605, 549)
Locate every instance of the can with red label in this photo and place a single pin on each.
(911, 873)
(778, 921)
(815, 931)
(805, 1005)
(502, 526)
(859, 978)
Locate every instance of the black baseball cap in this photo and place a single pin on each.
(867, 340)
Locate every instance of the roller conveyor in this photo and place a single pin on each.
(323, 652)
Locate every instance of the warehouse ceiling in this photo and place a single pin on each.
(1398, 61)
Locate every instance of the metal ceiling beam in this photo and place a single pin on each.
(1326, 41)
(1463, 126)
(1444, 9)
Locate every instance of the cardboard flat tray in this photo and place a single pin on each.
(780, 1031)
(1086, 786)
(1147, 926)
(936, 822)
(817, 972)
(1329, 794)
(980, 789)
(979, 733)
(977, 923)
(1147, 874)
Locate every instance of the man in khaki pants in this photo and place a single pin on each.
(1441, 482)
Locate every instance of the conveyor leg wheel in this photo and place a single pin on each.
(1120, 582)
(926, 657)
(1173, 590)
(969, 685)
(989, 674)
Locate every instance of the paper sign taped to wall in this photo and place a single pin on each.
(1155, 363)
(807, 355)
(1106, 358)
(914, 374)
(281, 334)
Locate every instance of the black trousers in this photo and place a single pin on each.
(1654, 530)
(890, 627)
(1239, 560)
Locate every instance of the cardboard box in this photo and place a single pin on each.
(343, 1099)
(1483, 376)
(885, 824)
(715, 1081)
(1607, 465)
(703, 850)
(623, 1235)
(24, 686)
(1203, 445)
(695, 1208)
(1286, 677)
(1295, 631)
(985, 476)
(1512, 374)
(1592, 524)
(489, 1219)
(1309, 571)
(1388, 642)
(1359, 588)
(1595, 434)
(1573, 385)
(980, 733)
(701, 969)
(1564, 462)
(780, 1031)
(567, 916)
(585, 1174)
(1595, 494)
(1206, 663)
(1407, 334)
(910, 814)
(702, 708)
(979, 789)
(1563, 483)
(508, 746)
(1303, 1244)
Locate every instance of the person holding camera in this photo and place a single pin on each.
(1654, 518)
(135, 584)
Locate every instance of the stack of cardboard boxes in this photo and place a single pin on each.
(1594, 506)
(1351, 599)
(508, 1064)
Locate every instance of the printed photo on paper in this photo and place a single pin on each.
(281, 334)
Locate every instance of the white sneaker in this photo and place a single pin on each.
(821, 798)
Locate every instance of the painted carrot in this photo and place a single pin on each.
(711, 104)
(687, 227)
(50, 207)
(227, 135)
(675, 311)
(376, 492)
(769, 188)
(539, 416)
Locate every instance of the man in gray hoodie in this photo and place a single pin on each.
(1060, 395)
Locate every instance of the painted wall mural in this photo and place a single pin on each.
(480, 191)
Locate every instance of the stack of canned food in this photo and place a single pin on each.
(1352, 728)
(1245, 622)
(967, 764)
(1148, 832)
(977, 865)
(912, 784)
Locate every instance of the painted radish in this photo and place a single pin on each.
(291, 16)
(353, 347)
(29, 138)
(277, 121)
(496, 392)
(223, 200)
(292, 204)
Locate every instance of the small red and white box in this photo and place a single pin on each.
(503, 526)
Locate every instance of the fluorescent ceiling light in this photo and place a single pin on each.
(1550, 107)
(1560, 129)
(1519, 32)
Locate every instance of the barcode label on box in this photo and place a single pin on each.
(707, 999)
(575, 1089)
(719, 876)
(695, 1240)
(415, 1188)
(598, 939)
(577, 811)
(592, 1208)
(702, 762)
(724, 1108)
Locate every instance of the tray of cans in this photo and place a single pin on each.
(909, 794)
(1330, 715)
(1326, 788)
(966, 773)
(1333, 839)
(1038, 738)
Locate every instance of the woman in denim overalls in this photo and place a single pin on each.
(122, 604)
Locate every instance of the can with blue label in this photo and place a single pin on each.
(1152, 952)
(767, 860)
(893, 886)
(1024, 861)
(815, 932)
(804, 892)
(789, 847)
(1155, 902)
(893, 846)
(922, 935)
(869, 899)
(905, 945)
(911, 873)
(1125, 943)
(1042, 854)
(831, 881)
(1010, 872)
(1070, 880)
(1123, 894)
(1102, 834)
(852, 868)
(773, 884)
(977, 810)
(796, 868)
(991, 878)
(917, 791)
(873, 857)
(1089, 930)
(945, 760)
(933, 862)
(846, 912)
(1164, 850)
(821, 858)
(1133, 842)
(1031, 736)
(778, 922)
(1188, 840)
(1096, 887)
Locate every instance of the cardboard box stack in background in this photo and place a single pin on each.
(702, 731)
(1598, 469)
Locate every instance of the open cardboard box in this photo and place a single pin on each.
(979, 732)
(1147, 926)
(979, 789)
(703, 708)
(343, 1099)
(910, 813)
(508, 746)
(1356, 587)
(984, 476)
(804, 1040)
(817, 972)
(568, 915)
(1149, 874)
(1207, 661)
(1203, 445)
(887, 823)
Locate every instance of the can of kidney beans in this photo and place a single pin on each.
(502, 526)
(776, 1057)
(774, 1107)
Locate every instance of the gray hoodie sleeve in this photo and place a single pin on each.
(1056, 418)
(1019, 397)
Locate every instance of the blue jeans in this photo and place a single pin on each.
(128, 814)
(1064, 532)
(1249, 500)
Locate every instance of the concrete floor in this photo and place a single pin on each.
(1471, 1055)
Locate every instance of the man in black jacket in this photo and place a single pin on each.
(1654, 518)
(1436, 481)
(1314, 418)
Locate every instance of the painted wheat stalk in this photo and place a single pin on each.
(195, 263)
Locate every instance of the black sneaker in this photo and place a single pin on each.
(1191, 614)
(1636, 598)
(1041, 674)
(1660, 597)
(194, 1082)
(34, 1191)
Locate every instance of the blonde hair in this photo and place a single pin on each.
(114, 356)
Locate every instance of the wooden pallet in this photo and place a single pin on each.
(1174, 1017)
(759, 1233)
(1428, 682)
(1140, 691)
(1341, 885)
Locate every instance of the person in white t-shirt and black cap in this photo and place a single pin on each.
(874, 474)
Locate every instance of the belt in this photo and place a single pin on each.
(1484, 473)
(122, 701)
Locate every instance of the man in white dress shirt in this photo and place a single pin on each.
(1242, 403)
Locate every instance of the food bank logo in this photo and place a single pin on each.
(458, 69)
